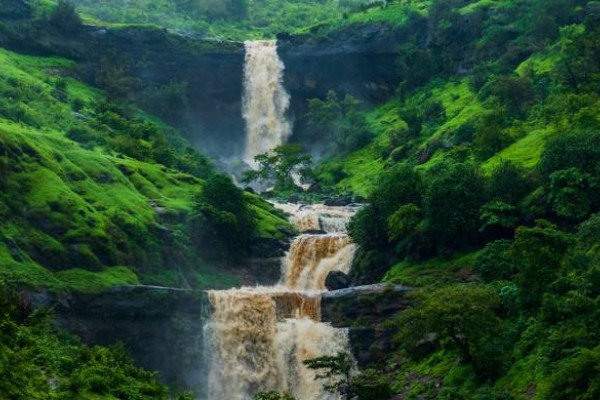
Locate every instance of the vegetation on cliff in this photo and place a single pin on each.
(39, 362)
(95, 193)
(486, 199)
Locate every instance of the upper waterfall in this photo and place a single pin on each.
(265, 100)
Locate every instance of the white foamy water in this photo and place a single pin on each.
(265, 100)
(259, 337)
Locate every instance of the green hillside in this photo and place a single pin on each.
(85, 202)
(486, 199)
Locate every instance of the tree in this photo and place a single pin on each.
(223, 224)
(340, 121)
(460, 317)
(404, 221)
(507, 183)
(493, 262)
(272, 395)
(284, 165)
(64, 17)
(452, 205)
(498, 219)
(401, 186)
(336, 372)
(371, 385)
(538, 253)
(573, 194)
(579, 149)
(576, 377)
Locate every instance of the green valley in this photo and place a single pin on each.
(468, 131)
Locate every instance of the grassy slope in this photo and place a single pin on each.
(69, 200)
(462, 107)
(264, 19)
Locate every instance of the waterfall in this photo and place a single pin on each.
(265, 100)
(259, 337)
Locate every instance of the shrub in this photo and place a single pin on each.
(64, 17)
(493, 262)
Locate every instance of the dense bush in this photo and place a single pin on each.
(223, 225)
(64, 17)
(339, 122)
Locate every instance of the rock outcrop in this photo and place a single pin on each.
(363, 309)
(162, 327)
(337, 280)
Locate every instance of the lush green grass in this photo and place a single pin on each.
(93, 282)
(271, 222)
(263, 18)
(432, 272)
(525, 152)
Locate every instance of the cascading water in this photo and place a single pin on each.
(260, 336)
(265, 100)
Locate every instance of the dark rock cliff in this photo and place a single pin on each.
(363, 309)
(162, 328)
(359, 60)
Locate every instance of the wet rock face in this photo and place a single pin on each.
(212, 72)
(360, 60)
(162, 328)
(337, 280)
(363, 309)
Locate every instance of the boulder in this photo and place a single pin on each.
(337, 280)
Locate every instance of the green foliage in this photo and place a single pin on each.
(272, 395)
(576, 377)
(462, 318)
(580, 67)
(573, 194)
(339, 123)
(508, 184)
(498, 217)
(371, 385)
(404, 221)
(493, 262)
(71, 208)
(108, 372)
(232, 19)
(579, 150)
(95, 282)
(284, 165)
(64, 17)
(335, 371)
(538, 253)
(224, 225)
(39, 362)
(449, 226)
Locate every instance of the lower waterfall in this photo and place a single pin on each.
(259, 337)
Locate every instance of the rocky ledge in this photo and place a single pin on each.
(162, 327)
(362, 310)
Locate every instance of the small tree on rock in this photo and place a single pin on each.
(285, 164)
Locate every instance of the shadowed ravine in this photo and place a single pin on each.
(258, 337)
